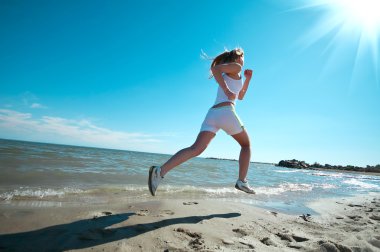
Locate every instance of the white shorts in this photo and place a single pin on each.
(224, 118)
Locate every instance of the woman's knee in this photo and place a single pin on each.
(243, 139)
(246, 144)
(246, 147)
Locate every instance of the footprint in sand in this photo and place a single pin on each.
(246, 243)
(285, 237)
(190, 203)
(164, 213)
(332, 246)
(355, 205)
(299, 238)
(227, 241)
(240, 231)
(142, 212)
(267, 241)
(291, 238)
(189, 233)
(375, 241)
(375, 217)
(197, 241)
(101, 214)
(354, 217)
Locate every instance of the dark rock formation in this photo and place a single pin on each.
(303, 165)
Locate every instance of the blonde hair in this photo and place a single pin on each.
(225, 57)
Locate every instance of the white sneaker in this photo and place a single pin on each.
(244, 186)
(154, 179)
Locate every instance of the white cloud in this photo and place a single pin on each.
(37, 105)
(31, 100)
(18, 125)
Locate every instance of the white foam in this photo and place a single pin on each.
(187, 189)
(202, 190)
(325, 174)
(286, 187)
(221, 191)
(135, 188)
(328, 186)
(282, 171)
(359, 183)
(37, 193)
(230, 191)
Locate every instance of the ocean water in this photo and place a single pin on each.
(50, 173)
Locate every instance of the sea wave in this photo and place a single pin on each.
(282, 188)
(333, 175)
(328, 186)
(345, 175)
(360, 184)
(24, 192)
(132, 191)
(283, 171)
(211, 191)
(231, 191)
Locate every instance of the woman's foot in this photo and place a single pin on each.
(154, 179)
(244, 186)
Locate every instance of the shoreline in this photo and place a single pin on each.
(348, 171)
(190, 225)
(334, 170)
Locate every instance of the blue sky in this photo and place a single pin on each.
(128, 75)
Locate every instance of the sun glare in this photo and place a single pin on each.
(349, 16)
(346, 22)
(364, 13)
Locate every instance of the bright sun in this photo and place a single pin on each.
(364, 13)
(346, 21)
(362, 16)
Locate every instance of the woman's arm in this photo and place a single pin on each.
(248, 76)
(225, 68)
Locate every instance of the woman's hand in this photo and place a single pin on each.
(248, 74)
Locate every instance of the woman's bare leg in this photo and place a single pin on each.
(201, 143)
(245, 154)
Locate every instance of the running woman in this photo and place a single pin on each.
(226, 69)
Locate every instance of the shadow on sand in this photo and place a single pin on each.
(89, 232)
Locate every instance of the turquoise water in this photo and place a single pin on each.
(48, 172)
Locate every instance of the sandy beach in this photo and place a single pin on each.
(344, 224)
(68, 198)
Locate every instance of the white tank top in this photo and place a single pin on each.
(234, 85)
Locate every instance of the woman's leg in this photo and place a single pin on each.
(203, 139)
(245, 154)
